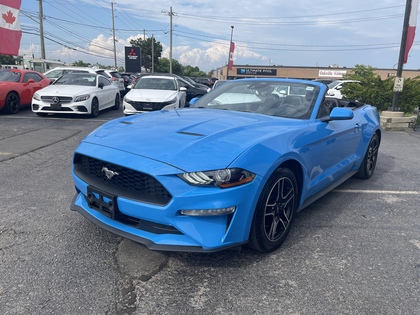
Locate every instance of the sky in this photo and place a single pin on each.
(305, 33)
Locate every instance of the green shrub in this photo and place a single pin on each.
(377, 92)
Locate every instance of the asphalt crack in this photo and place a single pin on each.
(135, 262)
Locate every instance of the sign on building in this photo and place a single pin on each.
(332, 73)
(251, 71)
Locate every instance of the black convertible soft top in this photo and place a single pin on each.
(336, 102)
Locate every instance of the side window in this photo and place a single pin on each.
(104, 81)
(36, 77)
(31, 75)
(182, 84)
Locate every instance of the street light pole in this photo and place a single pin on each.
(230, 47)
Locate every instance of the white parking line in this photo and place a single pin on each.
(390, 192)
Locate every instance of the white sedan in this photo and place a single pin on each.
(77, 93)
(154, 93)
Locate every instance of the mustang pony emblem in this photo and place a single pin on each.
(108, 173)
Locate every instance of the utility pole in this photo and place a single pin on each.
(402, 52)
(170, 13)
(113, 37)
(41, 28)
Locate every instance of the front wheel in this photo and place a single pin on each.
(275, 211)
(94, 109)
(369, 161)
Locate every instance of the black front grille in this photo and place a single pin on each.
(147, 106)
(125, 182)
(57, 109)
(63, 99)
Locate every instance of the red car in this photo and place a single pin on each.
(17, 87)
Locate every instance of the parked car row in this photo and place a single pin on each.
(86, 91)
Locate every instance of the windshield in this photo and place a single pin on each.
(148, 83)
(77, 79)
(269, 97)
(333, 84)
(9, 76)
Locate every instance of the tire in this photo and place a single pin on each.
(94, 108)
(275, 211)
(12, 103)
(117, 102)
(369, 161)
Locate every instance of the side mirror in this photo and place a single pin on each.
(30, 81)
(182, 88)
(330, 93)
(339, 113)
(193, 100)
(101, 85)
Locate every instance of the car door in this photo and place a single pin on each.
(31, 83)
(106, 95)
(330, 150)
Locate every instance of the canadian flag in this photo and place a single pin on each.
(231, 50)
(411, 32)
(10, 32)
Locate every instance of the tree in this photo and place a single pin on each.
(190, 71)
(409, 98)
(379, 93)
(80, 63)
(146, 51)
(7, 60)
(163, 66)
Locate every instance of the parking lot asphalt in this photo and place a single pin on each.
(354, 251)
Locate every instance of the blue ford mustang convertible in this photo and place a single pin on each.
(232, 169)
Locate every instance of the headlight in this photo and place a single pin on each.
(81, 98)
(224, 178)
(37, 97)
(169, 102)
(127, 100)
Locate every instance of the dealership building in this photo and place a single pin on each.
(311, 73)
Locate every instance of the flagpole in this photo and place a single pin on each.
(402, 51)
(230, 47)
